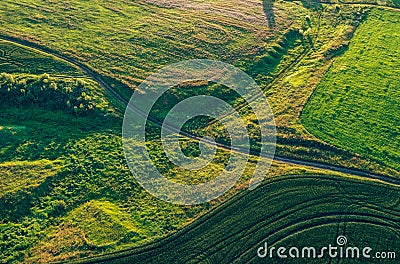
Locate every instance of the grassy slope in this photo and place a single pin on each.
(356, 104)
(299, 211)
(35, 141)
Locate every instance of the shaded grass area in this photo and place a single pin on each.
(299, 211)
(90, 150)
(356, 104)
(54, 161)
(94, 168)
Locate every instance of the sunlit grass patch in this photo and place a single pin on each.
(18, 175)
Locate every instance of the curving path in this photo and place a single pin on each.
(120, 99)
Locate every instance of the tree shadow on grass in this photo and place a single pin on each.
(312, 4)
(269, 13)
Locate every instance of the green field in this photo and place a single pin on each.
(293, 211)
(356, 105)
(66, 191)
(19, 175)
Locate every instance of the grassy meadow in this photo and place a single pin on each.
(356, 104)
(331, 28)
(130, 39)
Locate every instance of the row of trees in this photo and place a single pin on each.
(67, 94)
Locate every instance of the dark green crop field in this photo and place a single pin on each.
(356, 105)
(295, 211)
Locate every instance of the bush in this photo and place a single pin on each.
(45, 91)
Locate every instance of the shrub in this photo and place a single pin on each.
(45, 91)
